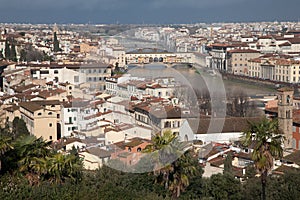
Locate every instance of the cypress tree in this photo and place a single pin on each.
(1, 54)
(228, 163)
(23, 55)
(55, 43)
(13, 53)
(7, 50)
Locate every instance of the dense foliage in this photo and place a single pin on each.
(32, 170)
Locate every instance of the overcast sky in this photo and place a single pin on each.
(147, 11)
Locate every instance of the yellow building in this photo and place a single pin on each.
(42, 118)
(88, 48)
(238, 61)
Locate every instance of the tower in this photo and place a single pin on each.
(285, 114)
(55, 28)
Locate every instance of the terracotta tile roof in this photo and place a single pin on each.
(294, 40)
(49, 93)
(243, 51)
(285, 89)
(31, 106)
(285, 44)
(101, 153)
(12, 108)
(231, 124)
(21, 89)
(218, 161)
(284, 169)
(266, 37)
(293, 157)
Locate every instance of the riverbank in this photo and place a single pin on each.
(234, 83)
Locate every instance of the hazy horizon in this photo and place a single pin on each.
(147, 12)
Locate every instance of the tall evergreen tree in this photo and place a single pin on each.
(55, 43)
(23, 55)
(7, 49)
(19, 127)
(228, 164)
(13, 53)
(1, 54)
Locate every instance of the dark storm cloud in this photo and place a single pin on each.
(148, 11)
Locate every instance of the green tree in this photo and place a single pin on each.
(55, 43)
(19, 127)
(7, 49)
(5, 145)
(23, 55)
(267, 140)
(224, 187)
(29, 149)
(1, 54)
(13, 53)
(228, 163)
(172, 167)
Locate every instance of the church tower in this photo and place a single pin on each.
(285, 114)
(55, 28)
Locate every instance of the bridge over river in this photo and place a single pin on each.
(153, 55)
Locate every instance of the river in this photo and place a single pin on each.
(199, 79)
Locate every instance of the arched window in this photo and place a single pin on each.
(186, 138)
(288, 114)
(294, 143)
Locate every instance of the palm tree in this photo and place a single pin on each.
(5, 145)
(172, 163)
(30, 151)
(267, 140)
(62, 167)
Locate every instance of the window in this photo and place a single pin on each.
(50, 124)
(49, 113)
(50, 137)
(39, 114)
(76, 79)
(55, 71)
(44, 72)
